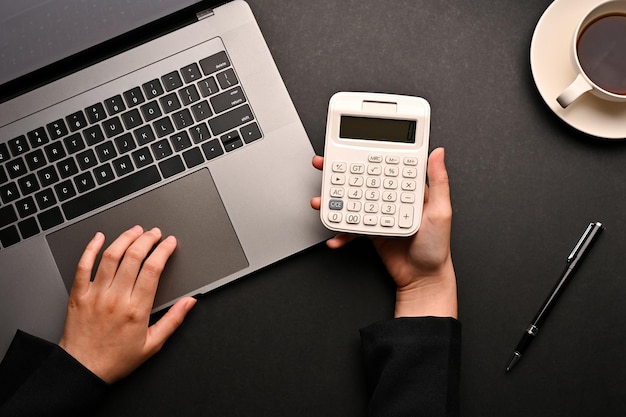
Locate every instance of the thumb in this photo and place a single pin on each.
(160, 331)
(439, 186)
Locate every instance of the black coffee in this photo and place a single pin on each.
(602, 52)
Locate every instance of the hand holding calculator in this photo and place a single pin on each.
(375, 163)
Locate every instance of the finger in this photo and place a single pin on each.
(134, 257)
(316, 203)
(318, 162)
(148, 279)
(340, 240)
(439, 186)
(160, 331)
(113, 255)
(86, 264)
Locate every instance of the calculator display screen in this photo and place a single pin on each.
(368, 128)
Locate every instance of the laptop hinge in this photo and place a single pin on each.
(204, 14)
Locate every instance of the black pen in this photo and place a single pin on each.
(573, 261)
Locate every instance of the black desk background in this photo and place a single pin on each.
(524, 186)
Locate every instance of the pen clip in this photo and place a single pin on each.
(574, 254)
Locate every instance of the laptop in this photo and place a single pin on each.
(165, 113)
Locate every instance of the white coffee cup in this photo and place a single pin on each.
(585, 82)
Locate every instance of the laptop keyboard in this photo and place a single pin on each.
(112, 149)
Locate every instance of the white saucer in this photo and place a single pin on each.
(553, 70)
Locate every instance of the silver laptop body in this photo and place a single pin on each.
(224, 165)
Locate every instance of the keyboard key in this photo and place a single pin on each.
(7, 216)
(37, 137)
(26, 207)
(172, 166)
(191, 73)
(9, 193)
(93, 135)
(201, 111)
(208, 87)
(3, 175)
(142, 157)
(125, 143)
(189, 95)
(172, 81)
(180, 141)
(170, 103)
(55, 151)
(18, 146)
(9, 236)
(144, 135)
(45, 199)
(4, 152)
(123, 166)
(28, 184)
(200, 133)
(65, 190)
(103, 174)
(114, 105)
(163, 127)
(193, 157)
(16, 168)
(214, 63)
(84, 182)
(132, 119)
(28, 227)
(134, 97)
(57, 129)
(74, 143)
(212, 149)
(161, 149)
(151, 111)
(86, 159)
(153, 89)
(251, 132)
(106, 151)
(182, 119)
(67, 168)
(76, 121)
(49, 219)
(231, 141)
(228, 99)
(227, 79)
(230, 120)
(111, 192)
(48, 176)
(95, 113)
(112, 127)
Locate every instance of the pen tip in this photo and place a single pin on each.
(514, 359)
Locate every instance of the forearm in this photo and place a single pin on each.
(435, 295)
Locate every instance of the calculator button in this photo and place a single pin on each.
(390, 183)
(335, 217)
(387, 221)
(357, 168)
(337, 179)
(337, 192)
(391, 171)
(374, 170)
(390, 159)
(339, 167)
(390, 196)
(355, 193)
(405, 217)
(371, 207)
(409, 173)
(373, 182)
(354, 206)
(409, 160)
(372, 195)
(388, 209)
(408, 198)
(370, 220)
(335, 204)
(375, 159)
(408, 185)
(353, 219)
(356, 181)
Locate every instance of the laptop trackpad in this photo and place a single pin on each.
(190, 209)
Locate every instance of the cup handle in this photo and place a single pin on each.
(575, 90)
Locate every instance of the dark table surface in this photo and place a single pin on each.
(285, 341)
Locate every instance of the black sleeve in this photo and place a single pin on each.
(412, 367)
(38, 378)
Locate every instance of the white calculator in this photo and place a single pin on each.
(375, 163)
